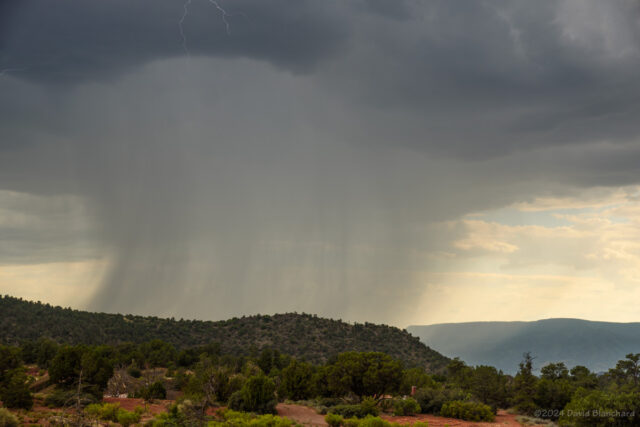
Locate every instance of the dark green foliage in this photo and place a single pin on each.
(431, 400)
(627, 371)
(582, 377)
(62, 397)
(65, 366)
(364, 374)
(471, 411)
(322, 337)
(152, 391)
(14, 391)
(257, 395)
(417, 377)
(408, 406)
(490, 386)
(553, 392)
(296, 381)
(334, 420)
(596, 408)
(134, 371)
(554, 371)
(9, 361)
(366, 407)
(525, 387)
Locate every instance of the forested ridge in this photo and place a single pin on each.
(306, 336)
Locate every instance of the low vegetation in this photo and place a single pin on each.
(350, 388)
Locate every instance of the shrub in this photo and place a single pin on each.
(406, 406)
(109, 412)
(134, 371)
(233, 418)
(371, 421)
(256, 395)
(353, 411)
(126, 418)
(62, 397)
(334, 420)
(590, 408)
(7, 419)
(153, 391)
(431, 400)
(329, 401)
(470, 411)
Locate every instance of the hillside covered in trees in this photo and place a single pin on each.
(301, 335)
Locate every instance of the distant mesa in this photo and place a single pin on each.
(596, 345)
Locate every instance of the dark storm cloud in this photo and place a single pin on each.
(74, 40)
(306, 154)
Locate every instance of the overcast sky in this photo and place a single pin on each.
(390, 161)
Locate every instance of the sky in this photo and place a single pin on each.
(401, 162)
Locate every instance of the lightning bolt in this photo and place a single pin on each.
(180, 26)
(223, 13)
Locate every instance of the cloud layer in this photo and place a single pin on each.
(322, 156)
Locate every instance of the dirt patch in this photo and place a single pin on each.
(301, 414)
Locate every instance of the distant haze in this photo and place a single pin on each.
(596, 345)
(388, 161)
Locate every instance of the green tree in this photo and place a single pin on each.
(9, 361)
(297, 380)
(525, 386)
(364, 374)
(554, 371)
(417, 377)
(14, 392)
(460, 374)
(583, 377)
(553, 395)
(627, 371)
(257, 395)
(489, 386)
(65, 366)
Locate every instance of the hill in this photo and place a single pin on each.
(301, 335)
(596, 345)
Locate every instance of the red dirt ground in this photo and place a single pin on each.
(301, 414)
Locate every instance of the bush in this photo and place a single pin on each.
(153, 391)
(361, 410)
(329, 401)
(7, 419)
(470, 411)
(587, 408)
(112, 412)
(109, 412)
(256, 395)
(233, 418)
(134, 371)
(406, 406)
(371, 421)
(334, 420)
(431, 399)
(63, 397)
(126, 418)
